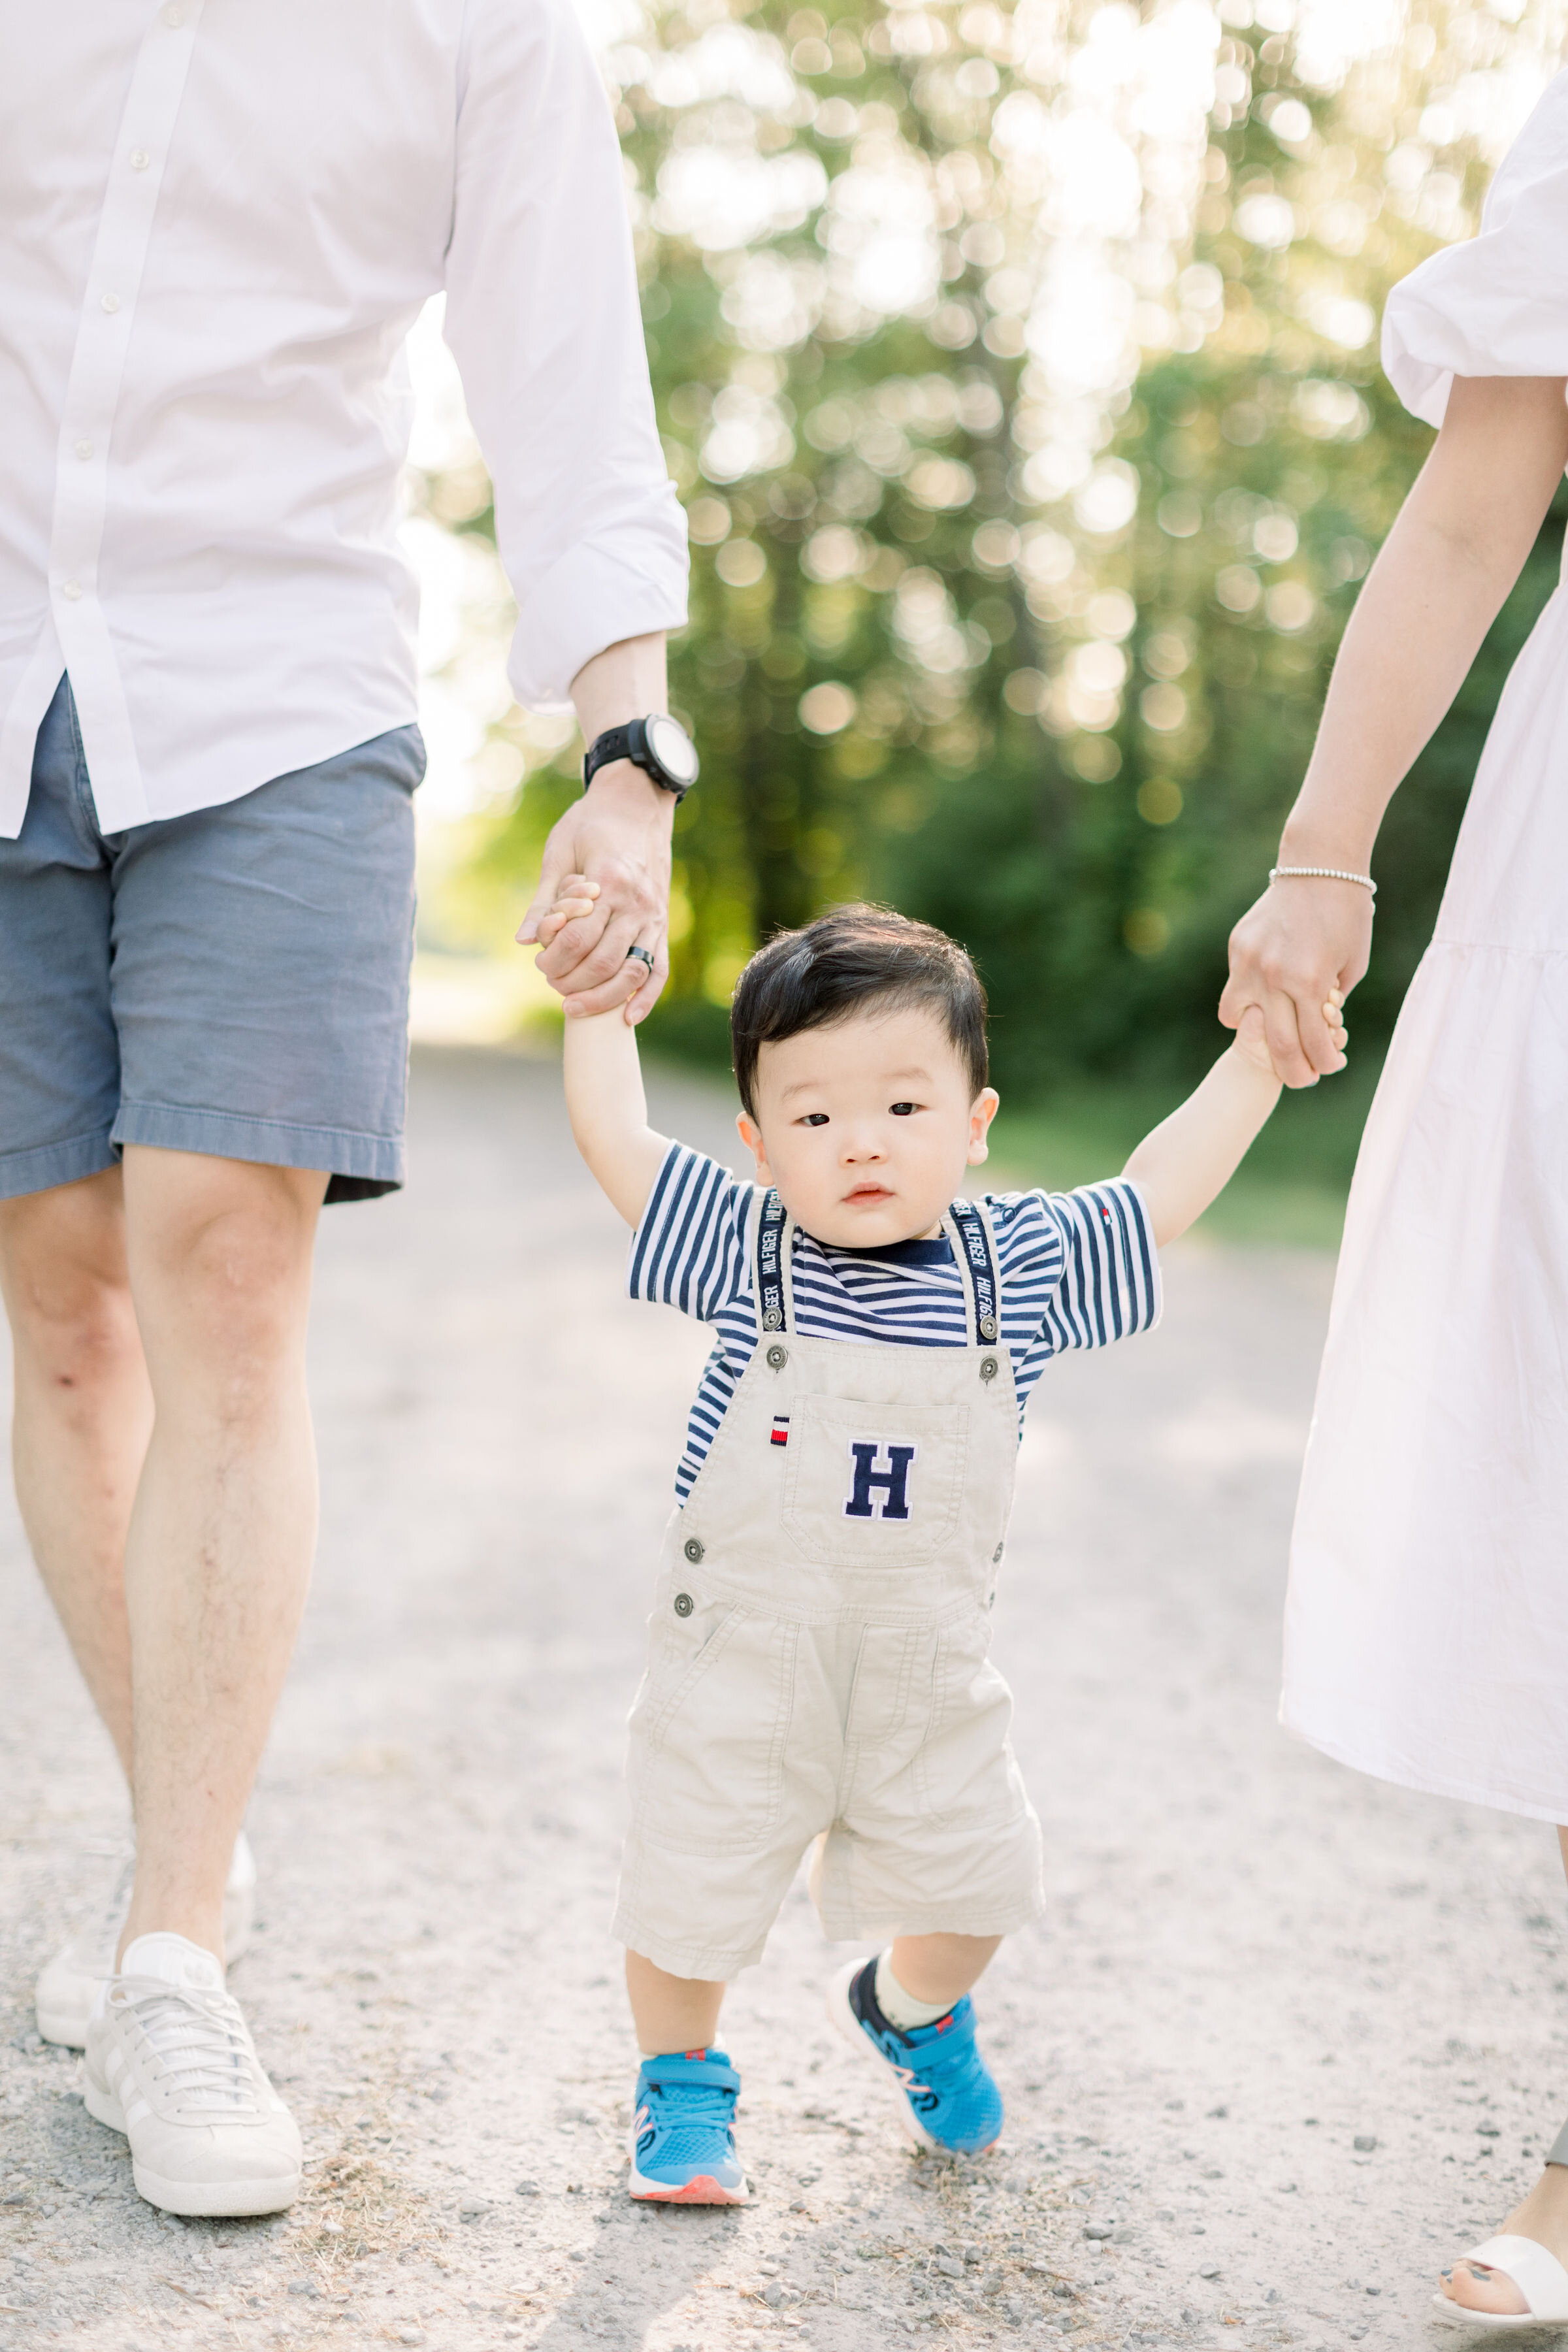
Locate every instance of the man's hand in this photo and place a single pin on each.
(616, 838)
(1301, 949)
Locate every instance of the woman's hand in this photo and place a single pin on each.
(1295, 954)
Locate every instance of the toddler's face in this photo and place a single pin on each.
(867, 1127)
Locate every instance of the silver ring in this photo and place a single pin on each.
(643, 955)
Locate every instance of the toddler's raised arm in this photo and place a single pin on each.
(604, 1097)
(1191, 1156)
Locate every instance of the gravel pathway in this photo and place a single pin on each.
(1286, 2037)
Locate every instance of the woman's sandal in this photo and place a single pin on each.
(1538, 2276)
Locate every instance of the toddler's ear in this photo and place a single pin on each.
(751, 1135)
(982, 1111)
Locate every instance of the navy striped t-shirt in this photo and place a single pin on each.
(1078, 1270)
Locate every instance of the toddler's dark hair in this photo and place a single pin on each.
(845, 962)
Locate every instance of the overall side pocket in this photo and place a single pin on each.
(708, 1731)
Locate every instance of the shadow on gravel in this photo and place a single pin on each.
(649, 2261)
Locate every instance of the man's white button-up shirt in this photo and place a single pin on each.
(218, 221)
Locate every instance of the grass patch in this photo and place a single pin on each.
(357, 2207)
(356, 2203)
(1290, 1189)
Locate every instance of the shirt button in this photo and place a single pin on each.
(109, 302)
(140, 159)
(84, 450)
(71, 592)
(692, 1548)
(684, 1604)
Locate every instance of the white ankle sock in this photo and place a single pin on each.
(900, 2008)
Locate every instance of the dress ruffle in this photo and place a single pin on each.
(1497, 304)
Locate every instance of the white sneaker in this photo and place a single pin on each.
(170, 2063)
(68, 1985)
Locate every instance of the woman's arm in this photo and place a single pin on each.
(1456, 550)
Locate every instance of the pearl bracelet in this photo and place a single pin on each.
(1321, 874)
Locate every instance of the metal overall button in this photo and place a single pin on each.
(777, 1358)
(772, 1320)
(988, 1327)
(988, 1367)
(693, 1548)
(684, 1604)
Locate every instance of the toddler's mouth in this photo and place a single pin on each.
(864, 1194)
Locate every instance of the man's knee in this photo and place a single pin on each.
(67, 1287)
(220, 1255)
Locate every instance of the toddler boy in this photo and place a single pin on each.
(818, 1672)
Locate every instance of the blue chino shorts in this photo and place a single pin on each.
(232, 982)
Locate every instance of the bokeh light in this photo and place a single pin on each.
(1018, 369)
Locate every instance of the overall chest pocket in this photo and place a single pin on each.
(875, 1485)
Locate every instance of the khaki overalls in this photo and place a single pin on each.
(820, 1642)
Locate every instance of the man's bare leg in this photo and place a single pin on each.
(1543, 2216)
(219, 1548)
(82, 1417)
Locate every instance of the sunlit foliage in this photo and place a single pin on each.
(1018, 371)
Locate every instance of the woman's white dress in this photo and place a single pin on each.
(1427, 1625)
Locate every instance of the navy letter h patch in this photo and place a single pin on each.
(892, 1484)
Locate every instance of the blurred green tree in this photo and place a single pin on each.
(1192, 648)
(1018, 369)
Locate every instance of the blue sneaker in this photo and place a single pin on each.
(947, 2097)
(683, 2131)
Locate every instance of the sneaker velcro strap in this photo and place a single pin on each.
(684, 2073)
(944, 2053)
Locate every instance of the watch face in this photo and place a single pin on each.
(674, 750)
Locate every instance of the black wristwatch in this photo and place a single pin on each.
(657, 744)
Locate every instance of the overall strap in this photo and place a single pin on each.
(974, 1254)
(774, 1233)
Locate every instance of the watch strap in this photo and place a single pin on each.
(616, 743)
(634, 742)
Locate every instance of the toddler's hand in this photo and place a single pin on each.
(1252, 1043)
(573, 899)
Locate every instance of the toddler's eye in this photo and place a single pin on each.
(904, 1110)
(815, 1118)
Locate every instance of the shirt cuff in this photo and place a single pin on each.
(594, 596)
(1153, 1273)
(656, 1209)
